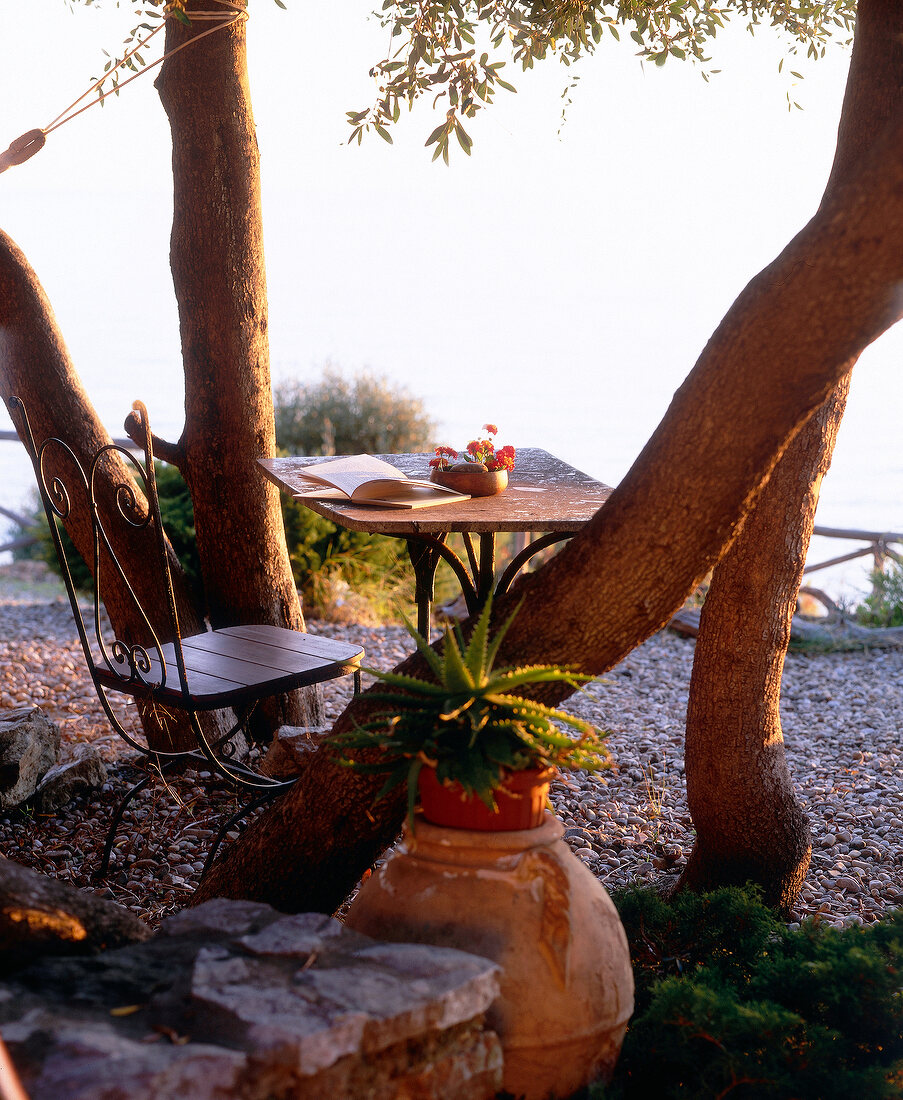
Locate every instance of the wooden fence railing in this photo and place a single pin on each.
(878, 548)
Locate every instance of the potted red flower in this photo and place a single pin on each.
(481, 470)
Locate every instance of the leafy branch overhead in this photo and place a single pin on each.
(453, 52)
(446, 50)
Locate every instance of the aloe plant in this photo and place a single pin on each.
(467, 723)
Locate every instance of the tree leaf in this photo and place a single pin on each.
(464, 139)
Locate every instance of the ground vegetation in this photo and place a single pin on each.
(730, 1001)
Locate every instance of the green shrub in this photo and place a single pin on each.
(337, 415)
(726, 931)
(884, 605)
(732, 1003)
(332, 415)
(177, 513)
(324, 556)
(36, 526)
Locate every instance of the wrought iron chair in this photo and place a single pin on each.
(230, 669)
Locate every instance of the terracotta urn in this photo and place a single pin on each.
(476, 483)
(524, 900)
(520, 802)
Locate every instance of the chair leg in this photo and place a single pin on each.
(233, 771)
(249, 807)
(131, 793)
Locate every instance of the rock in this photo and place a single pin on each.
(291, 749)
(93, 1059)
(220, 917)
(29, 746)
(42, 916)
(237, 1000)
(84, 772)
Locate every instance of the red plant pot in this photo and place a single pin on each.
(521, 802)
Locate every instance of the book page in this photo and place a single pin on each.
(347, 474)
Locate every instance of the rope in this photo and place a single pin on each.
(25, 147)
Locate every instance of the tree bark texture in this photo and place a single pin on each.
(35, 366)
(217, 261)
(791, 336)
(748, 822)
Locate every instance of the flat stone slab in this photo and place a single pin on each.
(234, 1000)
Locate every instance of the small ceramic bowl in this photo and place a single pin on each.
(476, 483)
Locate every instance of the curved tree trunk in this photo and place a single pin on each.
(749, 825)
(786, 343)
(217, 262)
(748, 822)
(35, 366)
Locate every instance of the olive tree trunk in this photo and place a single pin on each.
(748, 822)
(217, 261)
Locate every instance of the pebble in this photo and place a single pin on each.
(842, 716)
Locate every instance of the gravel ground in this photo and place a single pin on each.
(843, 725)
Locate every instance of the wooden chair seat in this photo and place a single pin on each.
(238, 664)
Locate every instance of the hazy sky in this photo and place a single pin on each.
(561, 285)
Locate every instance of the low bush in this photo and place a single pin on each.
(730, 1002)
(338, 415)
(884, 605)
(340, 573)
(326, 560)
(331, 564)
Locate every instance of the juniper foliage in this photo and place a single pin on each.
(730, 1002)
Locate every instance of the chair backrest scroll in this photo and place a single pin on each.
(111, 498)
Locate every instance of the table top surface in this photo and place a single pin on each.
(543, 494)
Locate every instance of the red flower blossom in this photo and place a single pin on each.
(503, 459)
(478, 450)
(443, 458)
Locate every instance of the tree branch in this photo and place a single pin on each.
(166, 452)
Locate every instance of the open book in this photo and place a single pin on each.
(363, 479)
